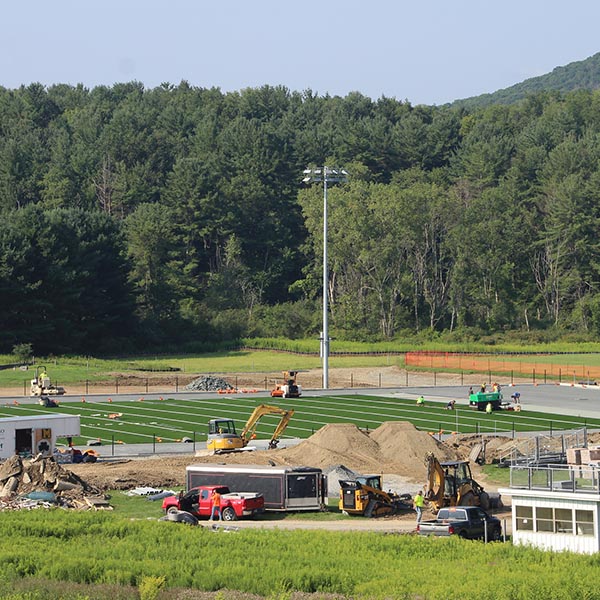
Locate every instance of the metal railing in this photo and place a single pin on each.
(583, 479)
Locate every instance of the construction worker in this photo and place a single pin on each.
(216, 505)
(418, 503)
(420, 401)
(483, 386)
(489, 408)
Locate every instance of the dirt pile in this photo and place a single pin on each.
(394, 447)
(41, 478)
(402, 441)
(340, 443)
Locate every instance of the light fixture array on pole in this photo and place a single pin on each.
(326, 175)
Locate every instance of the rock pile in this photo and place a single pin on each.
(42, 479)
(335, 473)
(209, 383)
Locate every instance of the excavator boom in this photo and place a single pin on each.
(259, 412)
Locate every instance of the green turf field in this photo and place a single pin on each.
(170, 420)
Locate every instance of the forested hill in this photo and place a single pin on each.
(175, 218)
(583, 74)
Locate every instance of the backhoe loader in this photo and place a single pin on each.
(222, 436)
(365, 496)
(451, 484)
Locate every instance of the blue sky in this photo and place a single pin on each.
(424, 52)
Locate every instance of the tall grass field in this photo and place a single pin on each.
(100, 556)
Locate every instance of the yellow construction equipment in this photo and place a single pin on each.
(365, 496)
(222, 436)
(451, 484)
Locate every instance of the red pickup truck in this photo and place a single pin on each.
(234, 505)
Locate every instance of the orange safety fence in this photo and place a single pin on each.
(481, 363)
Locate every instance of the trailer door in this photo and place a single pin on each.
(303, 490)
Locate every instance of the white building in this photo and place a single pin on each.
(555, 507)
(35, 434)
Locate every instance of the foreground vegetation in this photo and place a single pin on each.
(104, 550)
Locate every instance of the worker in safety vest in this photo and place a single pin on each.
(418, 503)
(489, 408)
(420, 401)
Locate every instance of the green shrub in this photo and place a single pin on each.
(150, 587)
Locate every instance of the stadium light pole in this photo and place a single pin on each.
(325, 175)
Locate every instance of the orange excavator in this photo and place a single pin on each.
(223, 437)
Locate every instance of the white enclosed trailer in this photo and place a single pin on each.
(35, 434)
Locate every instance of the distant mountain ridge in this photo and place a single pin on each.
(583, 74)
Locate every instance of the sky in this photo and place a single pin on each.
(426, 52)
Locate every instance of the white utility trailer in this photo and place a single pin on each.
(33, 435)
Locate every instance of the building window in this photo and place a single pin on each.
(544, 519)
(584, 522)
(524, 516)
(564, 520)
(548, 519)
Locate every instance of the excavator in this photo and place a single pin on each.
(365, 496)
(289, 388)
(222, 436)
(451, 484)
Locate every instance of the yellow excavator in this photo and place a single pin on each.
(451, 484)
(222, 436)
(365, 496)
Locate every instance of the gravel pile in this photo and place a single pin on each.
(334, 474)
(208, 383)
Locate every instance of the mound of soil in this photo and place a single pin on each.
(340, 443)
(403, 448)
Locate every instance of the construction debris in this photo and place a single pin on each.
(208, 383)
(42, 482)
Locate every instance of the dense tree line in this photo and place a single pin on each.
(175, 217)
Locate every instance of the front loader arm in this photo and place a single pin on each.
(436, 480)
